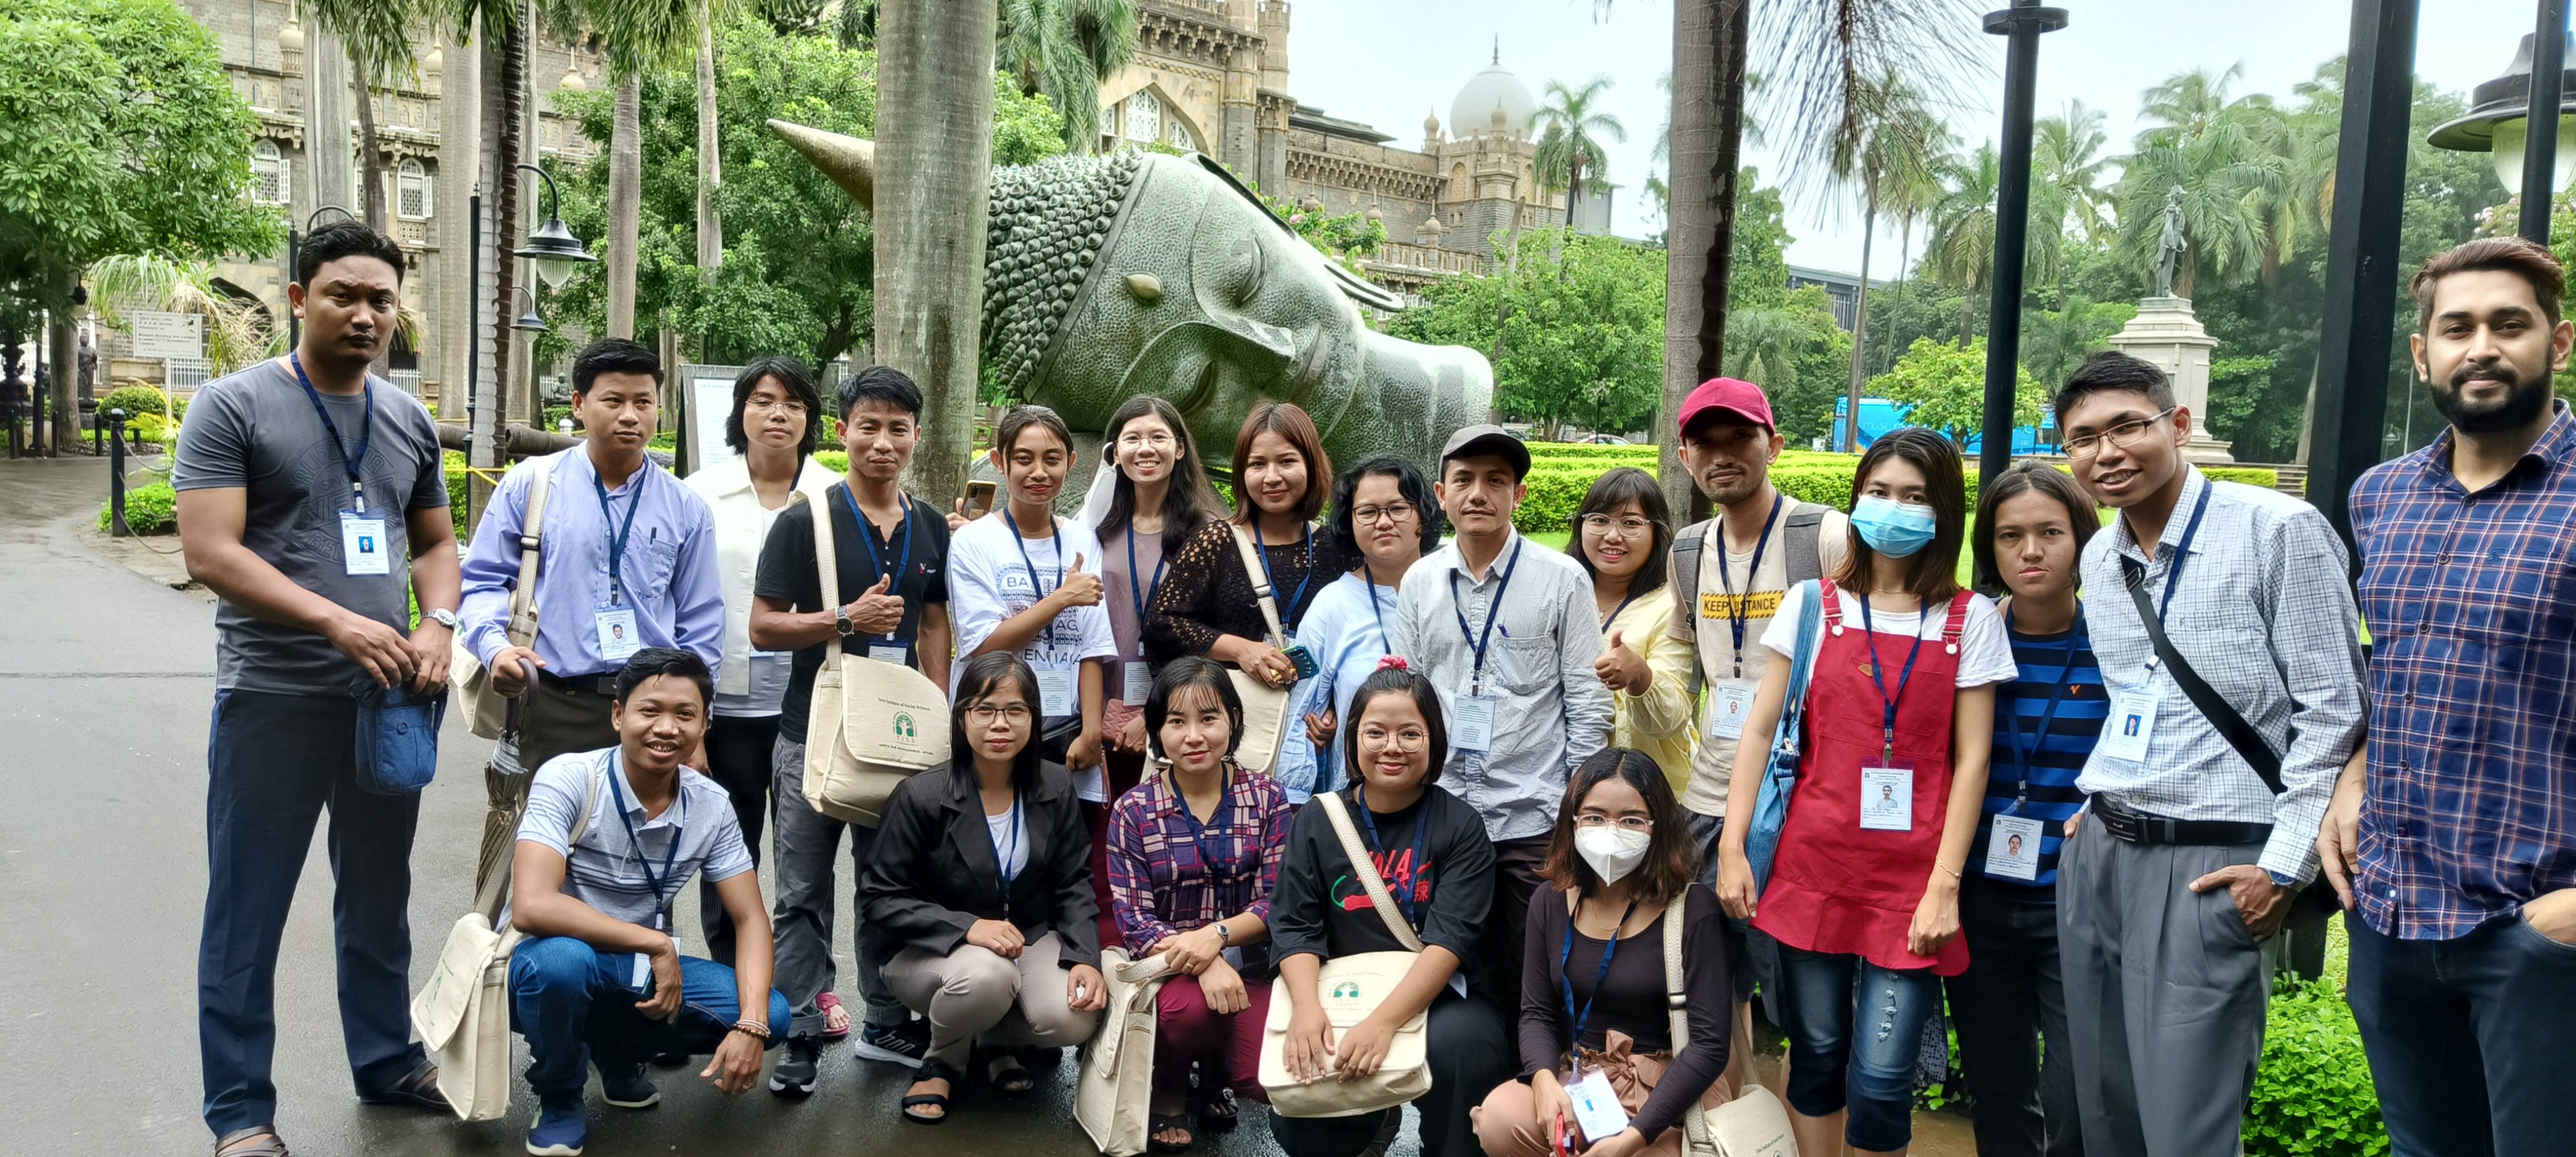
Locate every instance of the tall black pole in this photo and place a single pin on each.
(2361, 255)
(473, 336)
(2022, 23)
(2540, 146)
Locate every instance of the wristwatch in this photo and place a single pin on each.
(441, 616)
(841, 622)
(1224, 935)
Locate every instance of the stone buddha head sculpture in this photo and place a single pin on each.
(1136, 273)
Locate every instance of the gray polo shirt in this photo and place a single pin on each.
(607, 868)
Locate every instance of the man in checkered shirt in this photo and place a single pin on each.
(2456, 851)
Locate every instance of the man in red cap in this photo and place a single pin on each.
(1728, 574)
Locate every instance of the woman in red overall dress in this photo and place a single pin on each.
(1864, 890)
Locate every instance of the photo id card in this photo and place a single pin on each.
(1596, 1106)
(1135, 681)
(1728, 704)
(1055, 694)
(617, 636)
(1886, 799)
(887, 653)
(1472, 725)
(2012, 848)
(362, 543)
(2132, 724)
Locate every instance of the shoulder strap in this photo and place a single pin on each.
(826, 545)
(1363, 868)
(1810, 596)
(2213, 706)
(1805, 522)
(488, 901)
(1260, 576)
(1957, 624)
(1683, 573)
(1677, 1005)
(522, 627)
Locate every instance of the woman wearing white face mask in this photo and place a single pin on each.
(1593, 1005)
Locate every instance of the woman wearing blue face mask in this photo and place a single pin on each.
(1899, 718)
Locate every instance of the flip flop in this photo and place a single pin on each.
(1161, 1123)
(417, 1090)
(1007, 1075)
(836, 1020)
(1217, 1114)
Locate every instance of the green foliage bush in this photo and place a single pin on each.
(2313, 1096)
(141, 400)
(148, 510)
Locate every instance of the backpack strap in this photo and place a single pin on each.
(1804, 524)
(1683, 573)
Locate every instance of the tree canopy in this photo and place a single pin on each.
(1582, 340)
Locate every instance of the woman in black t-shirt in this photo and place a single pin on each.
(1430, 848)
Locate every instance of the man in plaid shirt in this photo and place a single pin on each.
(2457, 848)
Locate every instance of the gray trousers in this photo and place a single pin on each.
(806, 842)
(973, 992)
(2165, 994)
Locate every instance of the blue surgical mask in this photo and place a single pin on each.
(1892, 528)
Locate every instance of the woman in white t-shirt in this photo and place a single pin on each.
(1023, 580)
(1863, 891)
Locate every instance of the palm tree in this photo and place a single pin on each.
(710, 155)
(933, 170)
(2055, 341)
(1569, 150)
(1763, 346)
(2215, 150)
(1892, 150)
(2066, 182)
(1066, 49)
(237, 332)
(1963, 229)
(377, 36)
(639, 35)
(1908, 201)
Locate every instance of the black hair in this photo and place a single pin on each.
(1409, 482)
(1672, 853)
(878, 384)
(1612, 491)
(982, 674)
(2026, 477)
(1188, 503)
(1932, 573)
(2111, 371)
(654, 662)
(1017, 420)
(613, 355)
(340, 239)
(1392, 680)
(791, 377)
(1179, 675)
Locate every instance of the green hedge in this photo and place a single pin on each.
(141, 400)
(2313, 1096)
(150, 509)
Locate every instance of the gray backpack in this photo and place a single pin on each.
(1800, 526)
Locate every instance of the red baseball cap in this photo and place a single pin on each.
(1728, 396)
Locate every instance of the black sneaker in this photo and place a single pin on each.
(627, 1088)
(794, 1074)
(904, 1044)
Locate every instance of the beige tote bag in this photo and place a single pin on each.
(1265, 708)
(1113, 1102)
(485, 710)
(1350, 988)
(870, 724)
(1754, 1124)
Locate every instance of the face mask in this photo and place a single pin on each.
(1612, 851)
(1892, 528)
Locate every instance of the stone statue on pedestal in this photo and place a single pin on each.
(2170, 247)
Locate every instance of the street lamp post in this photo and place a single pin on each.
(2503, 111)
(553, 251)
(2022, 23)
(295, 252)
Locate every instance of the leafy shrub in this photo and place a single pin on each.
(836, 461)
(141, 400)
(150, 509)
(2313, 1096)
(452, 465)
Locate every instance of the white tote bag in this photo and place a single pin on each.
(1265, 708)
(1114, 1100)
(1350, 988)
(1754, 1124)
(484, 709)
(870, 724)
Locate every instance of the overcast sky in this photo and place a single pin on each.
(1388, 62)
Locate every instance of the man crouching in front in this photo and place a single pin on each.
(609, 839)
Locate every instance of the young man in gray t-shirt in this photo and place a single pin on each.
(312, 501)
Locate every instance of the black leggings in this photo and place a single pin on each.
(738, 750)
(1469, 1056)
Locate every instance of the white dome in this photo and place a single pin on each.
(1494, 86)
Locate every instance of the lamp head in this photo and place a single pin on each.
(2498, 122)
(554, 251)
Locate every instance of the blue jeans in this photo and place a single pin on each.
(2469, 1039)
(273, 763)
(1870, 1072)
(576, 1003)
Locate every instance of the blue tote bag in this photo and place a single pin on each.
(1780, 774)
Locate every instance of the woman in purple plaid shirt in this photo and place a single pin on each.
(1193, 852)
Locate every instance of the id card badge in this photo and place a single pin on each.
(1471, 727)
(1728, 704)
(1886, 799)
(362, 543)
(887, 653)
(2012, 848)
(617, 637)
(1596, 1106)
(643, 971)
(1055, 694)
(1135, 681)
(2132, 724)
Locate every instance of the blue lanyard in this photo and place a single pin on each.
(2182, 554)
(2024, 749)
(1614, 611)
(868, 535)
(1421, 823)
(1036, 589)
(1288, 610)
(1565, 954)
(352, 462)
(1002, 853)
(1215, 864)
(661, 902)
(1144, 595)
(1493, 614)
(617, 539)
(1887, 722)
(1737, 614)
(1377, 609)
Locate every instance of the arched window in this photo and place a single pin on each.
(1144, 117)
(1181, 138)
(270, 183)
(411, 190)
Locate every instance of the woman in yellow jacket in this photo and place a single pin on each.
(1622, 535)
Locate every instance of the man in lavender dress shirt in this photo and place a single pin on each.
(628, 561)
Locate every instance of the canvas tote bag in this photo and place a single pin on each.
(1351, 987)
(870, 725)
(1265, 708)
(1114, 1100)
(1753, 1124)
(463, 1013)
(485, 709)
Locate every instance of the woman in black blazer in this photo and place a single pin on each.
(978, 893)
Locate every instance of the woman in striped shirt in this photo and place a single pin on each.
(2032, 523)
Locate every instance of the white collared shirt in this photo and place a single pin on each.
(749, 682)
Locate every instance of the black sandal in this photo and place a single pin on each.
(1218, 1113)
(418, 1090)
(929, 1071)
(1007, 1075)
(274, 1146)
(1161, 1123)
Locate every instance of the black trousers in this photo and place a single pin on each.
(2469, 1038)
(564, 717)
(2010, 999)
(1469, 1055)
(1496, 975)
(738, 750)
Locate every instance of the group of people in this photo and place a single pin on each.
(2079, 832)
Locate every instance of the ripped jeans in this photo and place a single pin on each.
(1863, 1062)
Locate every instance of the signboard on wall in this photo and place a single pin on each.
(167, 335)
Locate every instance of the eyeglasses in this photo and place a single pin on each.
(985, 714)
(1156, 439)
(790, 406)
(1598, 820)
(1400, 740)
(1629, 525)
(1395, 512)
(2124, 434)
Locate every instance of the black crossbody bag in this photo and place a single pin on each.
(2213, 706)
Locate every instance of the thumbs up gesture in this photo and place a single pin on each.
(875, 611)
(1621, 669)
(1081, 588)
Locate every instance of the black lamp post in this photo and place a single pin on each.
(529, 322)
(294, 253)
(2534, 90)
(2022, 24)
(552, 248)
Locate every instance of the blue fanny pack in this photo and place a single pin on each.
(397, 745)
